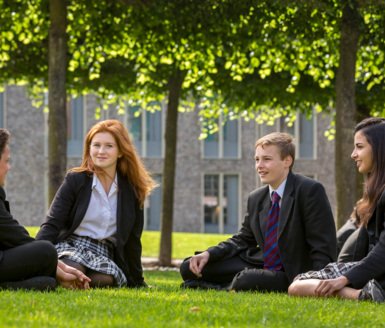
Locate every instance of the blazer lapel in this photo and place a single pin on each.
(83, 200)
(261, 217)
(125, 215)
(287, 203)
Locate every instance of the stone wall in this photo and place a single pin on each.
(27, 181)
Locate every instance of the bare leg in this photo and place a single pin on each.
(307, 288)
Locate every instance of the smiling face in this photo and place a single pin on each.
(271, 168)
(362, 153)
(104, 152)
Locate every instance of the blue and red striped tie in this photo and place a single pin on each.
(272, 260)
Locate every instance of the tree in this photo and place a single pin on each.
(304, 56)
(57, 96)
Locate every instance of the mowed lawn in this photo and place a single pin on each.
(164, 304)
(184, 244)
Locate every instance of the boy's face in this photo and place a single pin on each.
(4, 164)
(270, 167)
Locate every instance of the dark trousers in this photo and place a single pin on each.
(37, 258)
(238, 275)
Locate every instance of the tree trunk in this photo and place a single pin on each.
(175, 87)
(345, 170)
(57, 117)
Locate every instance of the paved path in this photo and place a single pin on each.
(151, 263)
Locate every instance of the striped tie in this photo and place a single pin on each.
(272, 260)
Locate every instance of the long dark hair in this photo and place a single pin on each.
(373, 128)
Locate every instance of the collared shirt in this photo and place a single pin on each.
(279, 191)
(99, 222)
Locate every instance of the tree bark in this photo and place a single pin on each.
(57, 117)
(345, 170)
(168, 179)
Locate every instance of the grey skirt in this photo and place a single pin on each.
(94, 254)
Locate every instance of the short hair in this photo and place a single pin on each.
(4, 139)
(283, 141)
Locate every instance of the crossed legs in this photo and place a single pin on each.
(99, 280)
(308, 288)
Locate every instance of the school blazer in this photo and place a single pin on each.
(69, 207)
(306, 231)
(12, 233)
(373, 265)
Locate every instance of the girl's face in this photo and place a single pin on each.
(362, 153)
(104, 151)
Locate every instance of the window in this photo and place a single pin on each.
(147, 131)
(224, 143)
(75, 126)
(221, 203)
(303, 131)
(2, 107)
(154, 206)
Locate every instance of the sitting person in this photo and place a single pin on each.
(364, 277)
(289, 226)
(346, 231)
(96, 218)
(26, 263)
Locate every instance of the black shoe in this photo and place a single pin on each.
(372, 291)
(39, 283)
(202, 284)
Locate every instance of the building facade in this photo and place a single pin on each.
(213, 177)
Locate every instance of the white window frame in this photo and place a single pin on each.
(84, 114)
(221, 196)
(143, 131)
(221, 142)
(297, 136)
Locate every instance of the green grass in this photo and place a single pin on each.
(166, 305)
(184, 244)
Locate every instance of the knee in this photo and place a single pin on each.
(185, 269)
(241, 281)
(295, 288)
(46, 251)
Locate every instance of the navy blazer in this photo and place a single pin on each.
(306, 231)
(373, 265)
(69, 207)
(12, 233)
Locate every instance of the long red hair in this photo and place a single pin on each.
(129, 164)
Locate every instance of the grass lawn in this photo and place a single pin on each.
(184, 244)
(166, 305)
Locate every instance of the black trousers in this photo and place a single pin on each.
(239, 275)
(37, 258)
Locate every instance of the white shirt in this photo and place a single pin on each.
(279, 190)
(99, 222)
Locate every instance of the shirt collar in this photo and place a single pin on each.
(96, 182)
(279, 190)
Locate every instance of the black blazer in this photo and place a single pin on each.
(69, 207)
(306, 232)
(373, 265)
(12, 233)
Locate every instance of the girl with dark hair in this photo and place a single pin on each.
(363, 279)
(96, 217)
